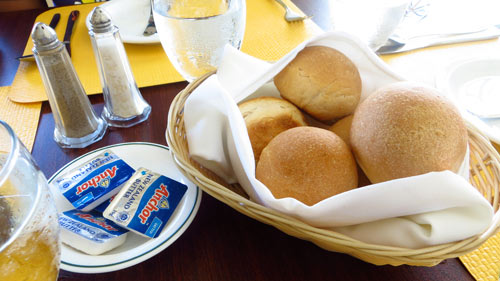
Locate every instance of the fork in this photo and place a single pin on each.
(290, 15)
(151, 27)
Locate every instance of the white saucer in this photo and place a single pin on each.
(131, 17)
(136, 249)
(469, 83)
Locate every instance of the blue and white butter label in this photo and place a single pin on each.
(146, 202)
(90, 225)
(94, 179)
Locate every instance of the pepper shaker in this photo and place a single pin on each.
(124, 105)
(76, 123)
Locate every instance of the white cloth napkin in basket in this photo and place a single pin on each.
(411, 212)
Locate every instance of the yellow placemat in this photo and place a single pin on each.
(267, 36)
(23, 118)
(424, 66)
(484, 263)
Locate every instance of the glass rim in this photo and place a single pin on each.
(231, 7)
(12, 155)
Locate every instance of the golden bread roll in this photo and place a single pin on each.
(307, 163)
(342, 128)
(407, 129)
(266, 117)
(321, 81)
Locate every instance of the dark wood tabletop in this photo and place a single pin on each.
(220, 244)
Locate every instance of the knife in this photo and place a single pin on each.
(489, 33)
(73, 16)
(53, 23)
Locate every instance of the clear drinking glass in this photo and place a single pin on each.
(29, 227)
(193, 33)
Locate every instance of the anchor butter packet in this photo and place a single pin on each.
(145, 203)
(95, 181)
(89, 232)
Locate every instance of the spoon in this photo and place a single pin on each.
(290, 15)
(150, 28)
(396, 44)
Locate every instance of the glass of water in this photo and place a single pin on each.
(29, 227)
(193, 33)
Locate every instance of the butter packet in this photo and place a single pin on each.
(145, 203)
(89, 232)
(95, 181)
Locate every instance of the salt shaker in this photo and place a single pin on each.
(76, 123)
(124, 105)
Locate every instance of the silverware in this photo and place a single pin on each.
(395, 42)
(290, 15)
(394, 45)
(73, 16)
(150, 28)
(53, 23)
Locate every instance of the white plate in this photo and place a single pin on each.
(131, 17)
(136, 248)
(460, 80)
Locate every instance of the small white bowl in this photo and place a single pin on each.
(474, 87)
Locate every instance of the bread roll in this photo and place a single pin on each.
(266, 117)
(407, 129)
(307, 163)
(321, 81)
(342, 128)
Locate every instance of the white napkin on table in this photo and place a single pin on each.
(412, 212)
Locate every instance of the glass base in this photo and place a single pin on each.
(116, 121)
(66, 142)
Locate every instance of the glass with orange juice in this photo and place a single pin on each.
(29, 229)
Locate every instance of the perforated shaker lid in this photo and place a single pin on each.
(44, 37)
(100, 20)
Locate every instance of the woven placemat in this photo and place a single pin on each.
(484, 263)
(23, 118)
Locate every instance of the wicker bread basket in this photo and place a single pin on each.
(484, 171)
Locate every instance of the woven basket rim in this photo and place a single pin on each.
(429, 255)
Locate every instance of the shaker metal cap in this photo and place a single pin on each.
(44, 37)
(100, 20)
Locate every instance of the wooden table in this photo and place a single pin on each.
(220, 244)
